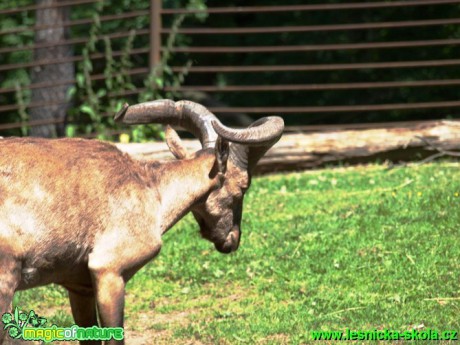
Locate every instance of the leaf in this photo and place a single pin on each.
(87, 64)
(101, 93)
(96, 20)
(109, 83)
(70, 131)
(119, 105)
(88, 110)
(167, 70)
(159, 82)
(80, 78)
(71, 92)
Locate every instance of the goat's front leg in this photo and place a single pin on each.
(110, 299)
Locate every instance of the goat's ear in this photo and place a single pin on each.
(175, 144)
(222, 152)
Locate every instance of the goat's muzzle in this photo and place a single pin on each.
(232, 242)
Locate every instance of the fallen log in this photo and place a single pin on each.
(395, 142)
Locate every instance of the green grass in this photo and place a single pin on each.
(362, 248)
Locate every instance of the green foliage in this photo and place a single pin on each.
(98, 102)
(22, 103)
(360, 248)
(94, 114)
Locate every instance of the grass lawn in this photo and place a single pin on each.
(360, 248)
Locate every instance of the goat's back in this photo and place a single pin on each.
(62, 191)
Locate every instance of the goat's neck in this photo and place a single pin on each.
(180, 184)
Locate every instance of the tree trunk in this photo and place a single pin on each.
(55, 16)
(395, 142)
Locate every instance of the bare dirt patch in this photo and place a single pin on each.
(151, 327)
(156, 328)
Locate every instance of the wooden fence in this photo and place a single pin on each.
(153, 33)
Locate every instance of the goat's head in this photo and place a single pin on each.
(237, 152)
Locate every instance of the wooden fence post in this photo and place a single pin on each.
(155, 33)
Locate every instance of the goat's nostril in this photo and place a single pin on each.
(236, 236)
(233, 239)
(231, 242)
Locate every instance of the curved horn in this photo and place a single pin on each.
(190, 115)
(260, 133)
(253, 142)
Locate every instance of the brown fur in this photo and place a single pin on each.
(84, 215)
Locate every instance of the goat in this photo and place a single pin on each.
(82, 214)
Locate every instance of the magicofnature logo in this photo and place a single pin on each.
(30, 326)
(15, 322)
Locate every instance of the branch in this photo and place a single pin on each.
(441, 151)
